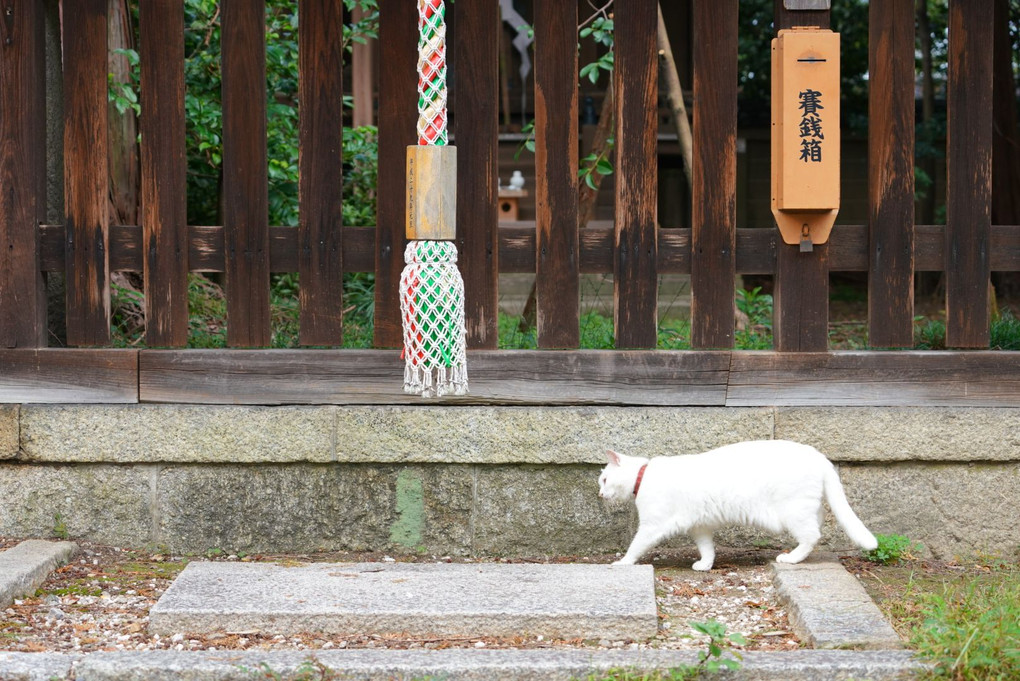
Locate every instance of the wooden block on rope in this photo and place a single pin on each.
(432, 193)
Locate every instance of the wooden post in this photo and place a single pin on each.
(245, 182)
(475, 126)
(363, 76)
(320, 187)
(556, 194)
(398, 96)
(714, 195)
(164, 191)
(22, 176)
(86, 177)
(635, 81)
(801, 292)
(968, 172)
(891, 173)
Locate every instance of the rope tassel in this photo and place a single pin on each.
(431, 288)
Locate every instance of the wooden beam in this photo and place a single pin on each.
(86, 185)
(164, 168)
(374, 377)
(968, 172)
(635, 278)
(714, 201)
(556, 195)
(245, 181)
(891, 173)
(320, 186)
(22, 176)
(59, 375)
(475, 128)
(801, 292)
(398, 30)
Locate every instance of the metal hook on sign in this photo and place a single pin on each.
(805, 239)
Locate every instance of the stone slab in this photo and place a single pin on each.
(414, 599)
(10, 416)
(470, 665)
(25, 566)
(140, 433)
(35, 666)
(860, 434)
(828, 608)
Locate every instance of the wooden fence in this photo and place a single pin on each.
(890, 248)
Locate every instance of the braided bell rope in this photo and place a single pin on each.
(432, 316)
(431, 72)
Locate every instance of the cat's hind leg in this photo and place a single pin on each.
(706, 547)
(807, 534)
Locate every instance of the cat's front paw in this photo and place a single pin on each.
(625, 561)
(785, 558)
(702, 566)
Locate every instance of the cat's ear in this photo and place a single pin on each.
(614, 458)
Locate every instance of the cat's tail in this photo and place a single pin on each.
(845, 515)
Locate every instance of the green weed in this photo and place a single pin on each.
(892, 548)
(60, 527)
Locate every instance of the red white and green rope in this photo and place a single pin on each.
(432, 290)
(431, 72)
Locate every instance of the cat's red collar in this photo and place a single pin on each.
(640, 474)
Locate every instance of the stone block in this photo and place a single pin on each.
(310, 507)
(25, 566)
(904, 434)
(538, 435)
(141, 433)
(955, 510)
(412, 599)
(108, 504)
(9, 430)
(546, 510)
(35, 666)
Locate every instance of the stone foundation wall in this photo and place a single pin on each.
(469, 480)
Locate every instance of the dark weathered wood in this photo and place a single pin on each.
(320, 188)
(875, 378)
(635, 84)
(245, 182)
(891, 173)
(801, 312)
(756, 249)
(398, 82)
(475, 96)
(72, 376)
(714, 190)
(968, 172)
(557, 283)
(372, 377)
(164, 191)
(22, 175)
(85, 172)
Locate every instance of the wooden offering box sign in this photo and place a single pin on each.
(805, 134)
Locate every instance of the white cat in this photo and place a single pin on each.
(773, 485)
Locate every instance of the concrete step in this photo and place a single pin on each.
(25, 566)
(829, 608)
(451, 665)
(438, 599)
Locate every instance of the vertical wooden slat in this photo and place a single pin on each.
(320, 61)
(634, 261)
(398, 98)
(164, 193)
(475, 118)
(362, 76)
(245, 183)
(968, 172)
(891, 173)
(556, 247)
(86, 182)
(714, 217)
(801, 292)
(22, 175)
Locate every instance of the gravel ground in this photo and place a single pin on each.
(101, 601)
